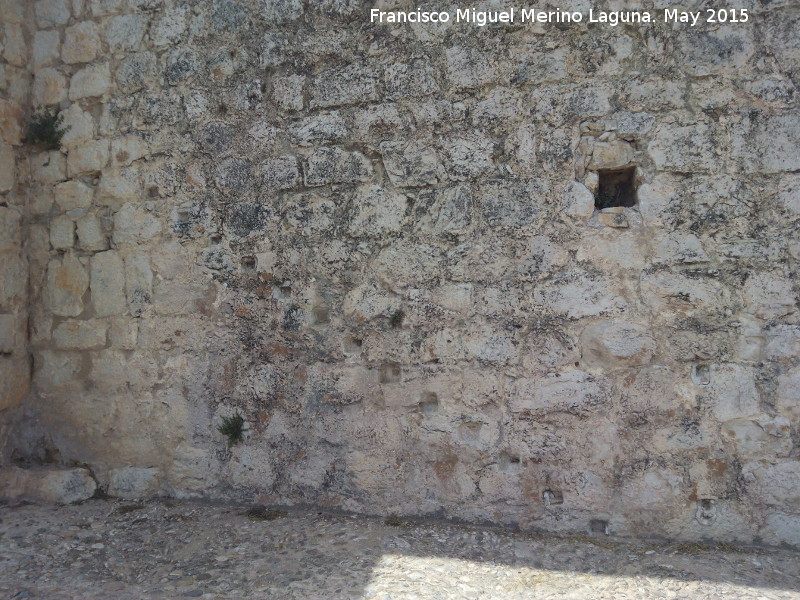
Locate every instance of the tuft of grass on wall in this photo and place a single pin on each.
(232, 428)
(45, 129)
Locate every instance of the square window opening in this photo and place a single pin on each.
(616, 188)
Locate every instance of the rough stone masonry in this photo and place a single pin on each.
(400, 253)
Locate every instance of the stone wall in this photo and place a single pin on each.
(379, 245)
(15, 366)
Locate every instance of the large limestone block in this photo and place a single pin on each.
(67, 282)
(12, 333)
(14, 381)
(573, 391)
(55, 370)
(10, 228)
(93, 80)
(80, 335)
(79, 126)
(81, 43)
(581, 295)
(377, 212)
(63, 486)
(310, 131)
(73, 194)
(88, 157)
(344, 85)
(8, 167)
(578, 202)
(684, 148)
(134, 225)
(125, 32)
(610, 155)
(133, 482)
(51, 13)
(788, 394)
(336, 165)
(469, 68)
(762, 143)
(45, 49)
(11, 122)
(679, 247)
(775, 484)
(412, 165)
(62, 232)
(281, 173)
(731, 393)
(108, 284)
(49, 87)
(770, 295)
(616, 345)
(673, 294)
(138, 283)
(761, 437)
(91, 236)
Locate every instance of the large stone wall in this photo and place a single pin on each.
(15, 366)
(378, 244)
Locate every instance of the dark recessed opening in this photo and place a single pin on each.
(249, 263)
(616, 188)
(598, 526)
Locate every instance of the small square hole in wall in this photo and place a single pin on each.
(616, 188)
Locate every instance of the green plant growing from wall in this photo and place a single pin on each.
(396, 320)
(45, 129)
(232, 428)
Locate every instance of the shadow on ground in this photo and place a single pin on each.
(105, 549)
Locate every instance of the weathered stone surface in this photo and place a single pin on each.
(346, 85)
(288, 92)
(12, 334)
(67, 281)
(79, 127)
(50, 13)
(108, 284)
(81, 43)
(125, 32)
(767, 144)
(578, 202)
(381, 244)
(8, 168)
(574, 391)
(73, 194)
(412, 165)
(62, 233)
(138, 283)
(49, 87)
(45, 49)
(47, 484)
(611, 155)
(616, 345)
(94, 80)
(377, 212)
(133, 482)
(684, 148)
(88, 157)
(335, 165)
(282, 173)
(90, 232)
(134, 225)
(80, 335)
(468, 68)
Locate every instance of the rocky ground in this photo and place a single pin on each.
(113, 549)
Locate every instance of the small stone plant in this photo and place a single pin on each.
(232, 428)
(45, 129)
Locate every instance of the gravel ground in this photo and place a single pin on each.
(117, 550)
